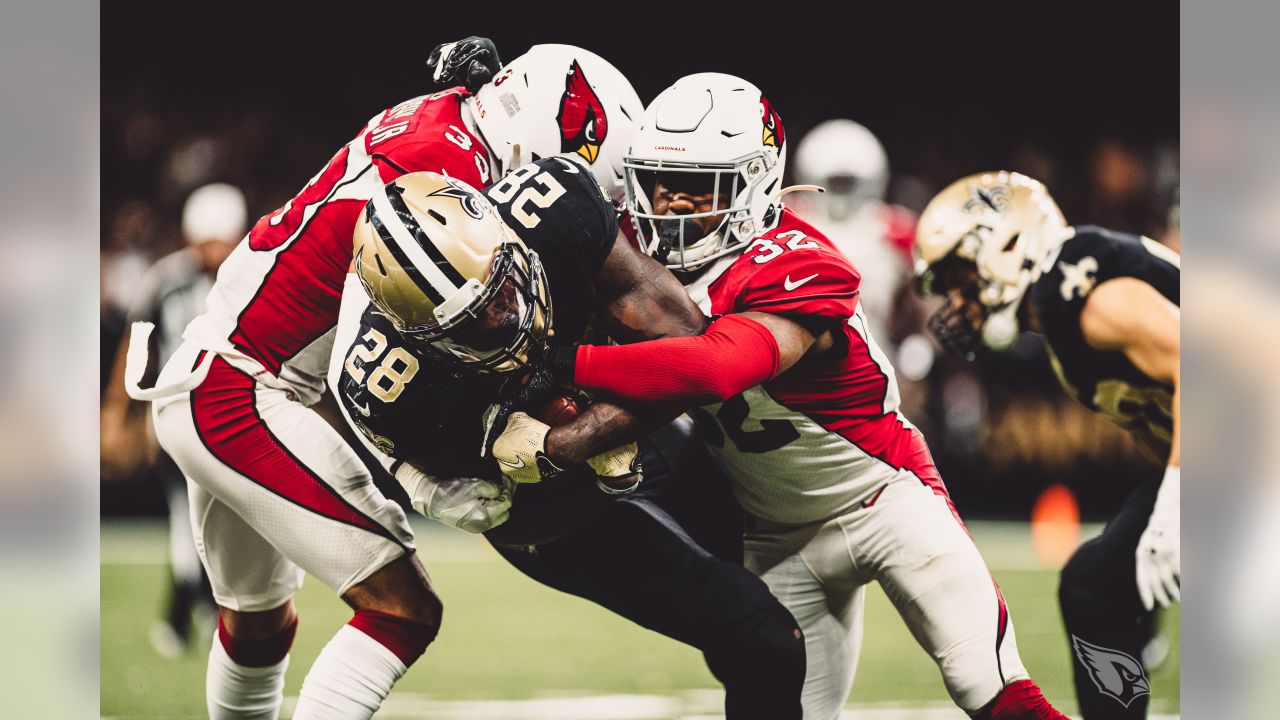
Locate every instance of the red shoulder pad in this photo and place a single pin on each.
(816, 281)
(427, 133)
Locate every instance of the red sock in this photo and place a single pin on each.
(1020, 700)
(257, 653)
(407, 639)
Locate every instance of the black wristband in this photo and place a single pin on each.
(560, 361)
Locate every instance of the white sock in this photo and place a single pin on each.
(350, 679)
(236, 692)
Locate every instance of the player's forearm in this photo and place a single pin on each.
(733, 355)
(601, 427)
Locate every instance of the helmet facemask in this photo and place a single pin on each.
(676, 240)
(493, 327)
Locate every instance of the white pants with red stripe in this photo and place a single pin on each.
(274, 489)
(910, 541)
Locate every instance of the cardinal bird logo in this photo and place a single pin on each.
(583, 125)
(1116, 674)
(773, 134)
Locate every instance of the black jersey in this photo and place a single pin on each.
(1106, 381)
(412, 407)
(556, 207)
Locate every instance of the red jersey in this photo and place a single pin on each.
(275, 304)
(825, 435)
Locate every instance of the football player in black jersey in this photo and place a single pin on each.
(997, 246)
(466, 291)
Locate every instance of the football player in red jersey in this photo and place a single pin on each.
(797, 403)
(275, 491)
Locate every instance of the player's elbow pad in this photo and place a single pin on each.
(734, 354)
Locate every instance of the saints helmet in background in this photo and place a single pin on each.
(721, 133)
(848, 161)
(437, 260)
(987, 237)
(559, 100)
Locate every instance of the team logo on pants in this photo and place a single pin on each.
(1115, 673)
(583, 125)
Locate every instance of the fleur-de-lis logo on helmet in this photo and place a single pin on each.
(470, 203)
(773, 134)
(994, 198)
(583, 125)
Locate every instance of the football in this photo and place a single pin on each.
(557, 411)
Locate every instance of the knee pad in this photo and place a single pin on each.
(767, 646)
(263, 652)
(408, 639)
(1078, 591)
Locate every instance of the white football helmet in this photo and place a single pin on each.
(214, 212)
(848, 161)
(559, 100)
(721, 129)
(986, 237)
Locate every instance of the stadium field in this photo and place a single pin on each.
(515, 650)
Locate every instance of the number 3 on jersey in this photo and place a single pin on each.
(505, 190)
(388, 379)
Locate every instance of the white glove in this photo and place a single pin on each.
(1160, 550)
(521, 450)
(471, 504)
(617, 470)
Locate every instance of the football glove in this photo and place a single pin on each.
(618, 470)
(473, 505)
(521, 450)
(1159, 552)
(469, 62)
(529, 388)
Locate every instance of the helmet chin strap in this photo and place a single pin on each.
(1001, 328)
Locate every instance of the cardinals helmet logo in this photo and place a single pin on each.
(468, 199)
(583, 125)
(772, 134)
(1115, 673)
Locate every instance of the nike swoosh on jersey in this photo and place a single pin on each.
(789, 286)
(519, 463)
(364, 409)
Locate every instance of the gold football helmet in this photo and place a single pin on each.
(981, 242)
(457, 283)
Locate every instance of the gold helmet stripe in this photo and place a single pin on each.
(403, 244)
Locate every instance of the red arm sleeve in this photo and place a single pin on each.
(734, 354)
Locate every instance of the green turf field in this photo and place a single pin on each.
(512, 649)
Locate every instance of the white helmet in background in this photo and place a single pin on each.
(559, 99)
(717, 133)
(846, 159)
(214, 212)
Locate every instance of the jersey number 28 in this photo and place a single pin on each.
(388, 379)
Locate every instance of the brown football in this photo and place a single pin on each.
(557, 411)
